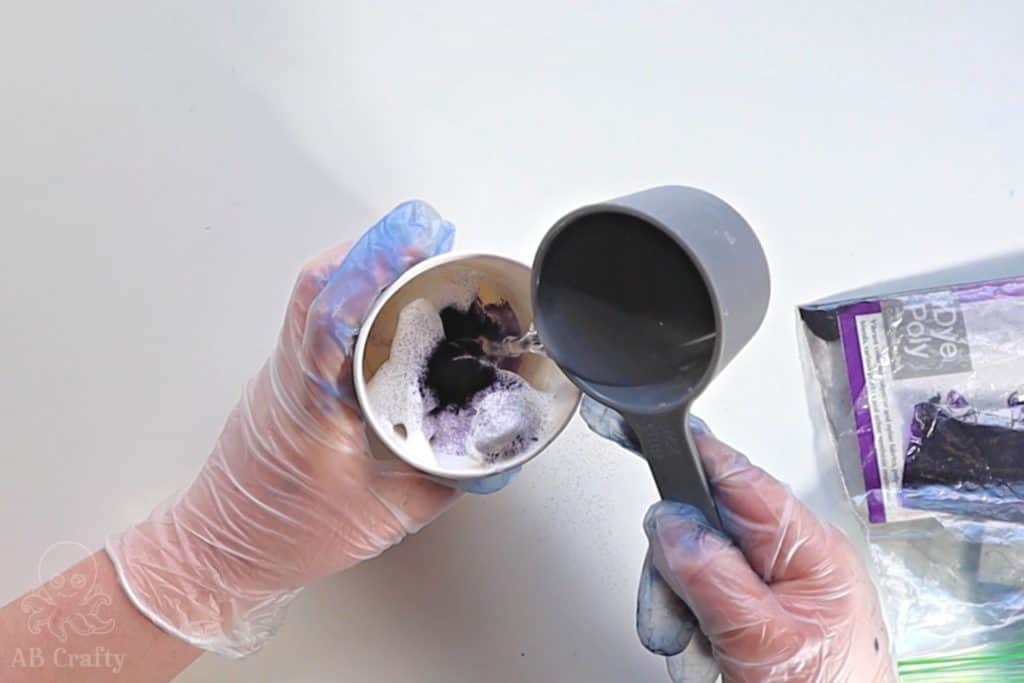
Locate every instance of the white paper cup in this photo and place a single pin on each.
(500, 279)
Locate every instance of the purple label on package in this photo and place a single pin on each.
(906, 350)
(850, 335)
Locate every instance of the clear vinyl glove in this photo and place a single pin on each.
(290, 492)
(779, 596)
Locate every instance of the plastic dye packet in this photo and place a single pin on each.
(917, 400)
(933, 378)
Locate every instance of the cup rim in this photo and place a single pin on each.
(591, 389)
(360, 381)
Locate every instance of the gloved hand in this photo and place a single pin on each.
(290, 492)
(780, 595)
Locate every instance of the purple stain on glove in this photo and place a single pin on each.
(409, 233)
(664, 623)
(609, 424)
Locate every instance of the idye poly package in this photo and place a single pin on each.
(933, 380)
(917, 399)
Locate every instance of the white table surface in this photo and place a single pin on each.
(166, 167)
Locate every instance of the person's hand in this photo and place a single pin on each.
(780, 596)
(290, 492)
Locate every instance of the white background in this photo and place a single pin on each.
(166, 167)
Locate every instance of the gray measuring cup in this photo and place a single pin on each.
(641, 301)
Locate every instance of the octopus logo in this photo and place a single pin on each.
(70, 600)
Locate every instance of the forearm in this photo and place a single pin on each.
(289, 494)
(86, 635)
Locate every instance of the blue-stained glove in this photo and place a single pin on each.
(664, 623)
(290, 492)
(778, 595)
(412, 232)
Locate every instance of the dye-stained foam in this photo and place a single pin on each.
(503, 416)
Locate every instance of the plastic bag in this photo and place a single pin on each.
(917, 399)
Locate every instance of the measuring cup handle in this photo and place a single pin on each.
(669, 450)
